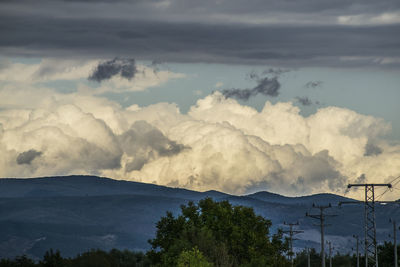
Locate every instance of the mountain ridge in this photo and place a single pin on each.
(77, 213)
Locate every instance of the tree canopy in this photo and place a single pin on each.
(226, 235)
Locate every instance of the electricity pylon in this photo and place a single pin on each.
(321, 217)
(371, 252)
(291, 233)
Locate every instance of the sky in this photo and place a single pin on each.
(292, 97)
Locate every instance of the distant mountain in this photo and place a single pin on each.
(78, 185)
(321, 199)
(77, 213)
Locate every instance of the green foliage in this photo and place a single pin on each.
(52, 259)
(386, 254)
(226, 235)
(21, 261)
(342, 260)
(95, 258)
(99, 258)
(192, 258)
(301, 259)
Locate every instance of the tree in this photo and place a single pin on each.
(24, 261)
(226, 235)
(386, 254)
(128, 258)
(301, 259)
(52, 259)
(92, 258)
(192, 258)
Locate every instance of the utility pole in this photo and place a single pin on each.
(394, 242)
(358, 254)
(330, 253)
(371, 252)
(308, 258)
(321, 217)
(291, 233)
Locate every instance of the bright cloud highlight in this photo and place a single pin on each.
(219, 144)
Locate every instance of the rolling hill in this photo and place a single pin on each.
(78, 213)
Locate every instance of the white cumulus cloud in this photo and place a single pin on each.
(219, 144)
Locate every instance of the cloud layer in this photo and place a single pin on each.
(294, 34)
(219, 144)
(117, 75)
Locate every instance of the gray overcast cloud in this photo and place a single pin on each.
(295, 33)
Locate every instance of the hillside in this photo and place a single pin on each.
(77, 213)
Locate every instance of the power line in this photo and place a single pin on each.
(389, 188)
(384, 192)
(395, 179)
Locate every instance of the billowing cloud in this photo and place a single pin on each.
(219, 144)
(265, 86)
(27, 156)
(126, 68)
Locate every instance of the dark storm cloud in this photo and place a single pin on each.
(271, 72)
(28, 156)
(126, 68)
(266, 86)
(197, 31)
(328, 8)
(305, 101)
(313, 84)
(276, 71)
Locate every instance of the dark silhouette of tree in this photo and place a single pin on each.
(21, 261)
(226, 235)
(346, 260)
(52, 259)
(386, 254)
(128, 258)
(301, 259)
(95, 258)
